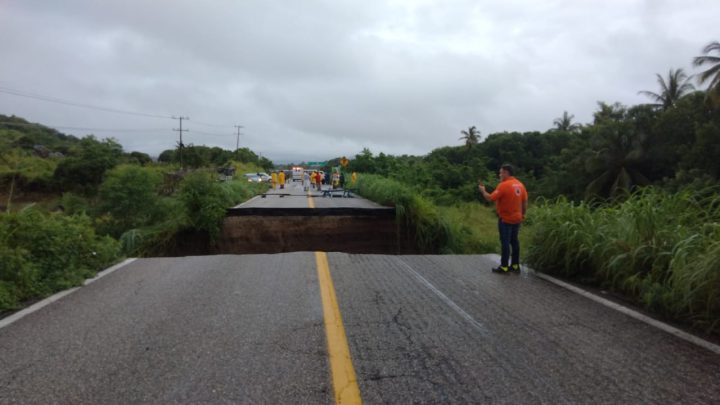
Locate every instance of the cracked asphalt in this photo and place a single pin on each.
(421, 329)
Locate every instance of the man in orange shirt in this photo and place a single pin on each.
(511, 202)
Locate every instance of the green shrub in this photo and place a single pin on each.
(73, 204)
(129, 195)
(205, 202)
(41, 253)
(85, 168)
(157, 238)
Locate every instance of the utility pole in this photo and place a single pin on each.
(180, 131)
(237, 143)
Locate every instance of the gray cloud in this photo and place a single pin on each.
(317, 79)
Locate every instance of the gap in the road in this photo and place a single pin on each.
(301, 230)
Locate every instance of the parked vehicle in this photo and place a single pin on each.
(257, 177)
(297, 174)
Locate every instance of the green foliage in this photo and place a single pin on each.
(129, 196)
(137, 158)
(711, 74)
(84, 170)
(243, 167)
(20, 170)
(677, 85)
(73, 204)
(479, 222)
(16, 132)
(158, 238)
(659, 248)
(196, 156)
(198, 208)
(205, 202)
(41, 253)
(426, 225)
(471, 137)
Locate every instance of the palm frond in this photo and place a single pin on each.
(712, 46)
(651, 95)
(702, 77)
(661, 82)
(701, 60)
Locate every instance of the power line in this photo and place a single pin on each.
(65, 127)
(57, 100)
(50, 99)
(210, 133)
(211, 125)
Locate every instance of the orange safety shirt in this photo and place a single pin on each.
(509, 196)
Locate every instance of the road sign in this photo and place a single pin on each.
(344, 161)
(317, 163)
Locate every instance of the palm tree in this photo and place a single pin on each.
(617, 159)
(677, 85)
(471, 137)
(565, 123)
(609, 112)
(713, 73)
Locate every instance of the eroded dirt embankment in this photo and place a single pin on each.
(330, 233)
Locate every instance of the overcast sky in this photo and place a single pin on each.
(311, 80)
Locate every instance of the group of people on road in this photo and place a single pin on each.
(279, 178)
(313, 180)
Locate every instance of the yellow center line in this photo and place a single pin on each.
(344, 379)
(311, 201)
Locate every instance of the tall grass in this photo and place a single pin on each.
(661, 249)
(481, 221)
(428, 227)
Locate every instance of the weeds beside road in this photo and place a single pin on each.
(660, 249)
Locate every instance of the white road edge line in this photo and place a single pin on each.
(479, 326)
(629, 312)
(246, 202)
(49, 300)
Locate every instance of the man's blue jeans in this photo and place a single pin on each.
(509, 239)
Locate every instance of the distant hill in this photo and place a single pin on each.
(16, 132)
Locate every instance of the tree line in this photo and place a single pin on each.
(35, 158)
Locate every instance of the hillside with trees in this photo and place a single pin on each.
(72, 206)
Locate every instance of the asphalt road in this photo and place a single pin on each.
(294, 196)
(420, 329)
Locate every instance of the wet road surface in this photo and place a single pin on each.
(420, 329)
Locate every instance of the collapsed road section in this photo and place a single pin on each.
(292, 219)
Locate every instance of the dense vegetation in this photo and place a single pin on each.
(73, 206)
(661, 249)
(42, 252)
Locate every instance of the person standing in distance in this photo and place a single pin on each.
(511, 203)
(281, 178)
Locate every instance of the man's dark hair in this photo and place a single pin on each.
(508, 168)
